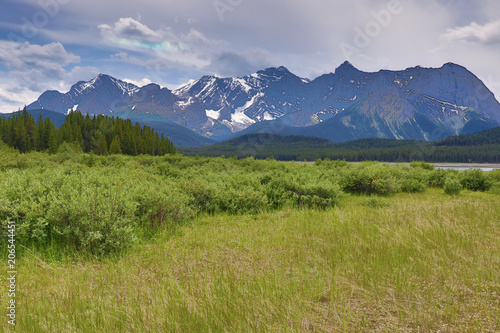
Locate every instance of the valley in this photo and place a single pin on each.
(176, 243)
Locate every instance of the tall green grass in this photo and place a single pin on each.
(411, 262)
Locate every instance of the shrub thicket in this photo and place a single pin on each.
(452, 185)
(103, 204)
(475, 180)
(370, 178)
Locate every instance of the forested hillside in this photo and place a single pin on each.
(101, 135)
(487, 137)
(483, 147)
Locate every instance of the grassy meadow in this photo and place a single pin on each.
(178, 244)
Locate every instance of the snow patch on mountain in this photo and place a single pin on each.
(212, 114)
(268, 116)
(184, 88)
(244, 84)
(74, 108)
(239, 120)
(184, 104)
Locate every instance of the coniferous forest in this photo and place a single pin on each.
(100, 134)
(482, 147)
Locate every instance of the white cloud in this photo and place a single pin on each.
(25, 55)
(159, 49)
(487, 34)
(132, 35)
(11, 101)
(32, 69)
(163, 49)
(139, 83)
(129, 29)
(173, 41)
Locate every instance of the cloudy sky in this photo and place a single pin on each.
(52, 44)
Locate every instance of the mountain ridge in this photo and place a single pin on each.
(414, 103)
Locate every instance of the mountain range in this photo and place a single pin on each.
(412, 104)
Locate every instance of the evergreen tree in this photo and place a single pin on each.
(116, 146)
(30, 130)
(48, 128)
(39, 132)
(98, 134)
(53, 142)
(99, 145)
(21, 139)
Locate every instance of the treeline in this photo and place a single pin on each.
(100, 134)
(477, 148)
(488, 137)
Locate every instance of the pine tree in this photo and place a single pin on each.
(48, 128)
(30, 131)
(21, 139)
(77, 134)
(39, 131)
(92, 134)
(116, 146)
(53, 143)
(99, 145)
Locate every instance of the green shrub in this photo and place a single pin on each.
(241, 200)
(231, 192)
(202, 195)
(422, 165)
(161, 205)
(68, 151)
(90, 159)
(317, 195)
(452, 185)
(371, 178)
(103, 204)
(475, 180)
(95, 213)
(98, 210)
(335, 164)
(438, 177)
(305, 192)
(494, 176)
(412, 185)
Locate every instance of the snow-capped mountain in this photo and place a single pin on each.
(234, 104)
(416, 103)
(101, 95)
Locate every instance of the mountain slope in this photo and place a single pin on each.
(101, 95)
(55, 117)
(415, 103)
(488, 137)
(399, 105)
